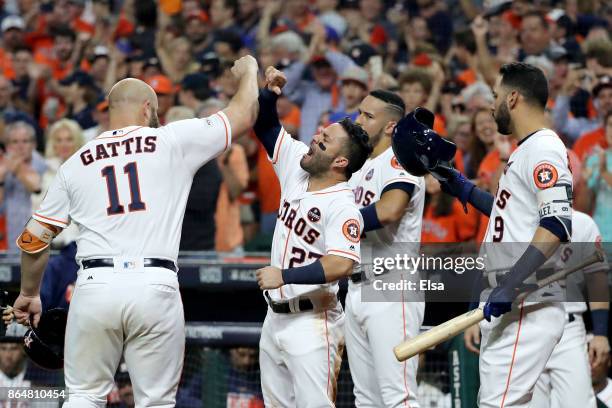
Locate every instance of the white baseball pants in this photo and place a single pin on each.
(300, 356)
(137, 313)
(514, 351)
(372, 329)
(566, 381)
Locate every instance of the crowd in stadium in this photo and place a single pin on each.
(60, 58)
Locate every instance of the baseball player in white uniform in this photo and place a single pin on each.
(530, 214)
(391, 202)
(316, 240)
(126, 190)
(566, 380)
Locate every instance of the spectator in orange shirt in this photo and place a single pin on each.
(235, 172)
(61, 57)
(12, 37)
(483, 134)
(444, 219)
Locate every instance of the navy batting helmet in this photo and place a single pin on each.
(417, 147)
(45, 344)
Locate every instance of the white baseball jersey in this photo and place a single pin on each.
(370, 182)
(127, 189)
(585, 238)
(310, 224)
(540, 161)
(605, 395)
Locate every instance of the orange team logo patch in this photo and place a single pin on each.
(395, 164)
(351, 230)
(545, 175)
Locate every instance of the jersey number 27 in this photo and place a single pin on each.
(115, 206)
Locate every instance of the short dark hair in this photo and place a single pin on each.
(465, 38)
(63, 31)
(358, 149)
(395, 104)
(22, 47)
(231, 38)
(416, 75)
(529, 80)
(537, 14)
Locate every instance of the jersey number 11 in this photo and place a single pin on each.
(115, 207)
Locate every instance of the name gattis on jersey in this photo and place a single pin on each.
(106, 150)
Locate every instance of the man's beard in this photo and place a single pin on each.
(317, 165)
(153, 120)
(503, 119)
(374, 139)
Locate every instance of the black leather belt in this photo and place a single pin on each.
(358, 277)
(304, 305)
(148, 262)
(571, 317)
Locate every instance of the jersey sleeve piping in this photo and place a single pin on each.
(228, 133)
(344, 254)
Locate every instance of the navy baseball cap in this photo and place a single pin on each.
(361, 53)
(79, 77)
(195, 81)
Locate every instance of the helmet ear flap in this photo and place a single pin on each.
(417, 147)
(425, 117)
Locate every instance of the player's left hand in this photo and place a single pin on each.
(499, 302)
(26, 307)
(275, 80)
(269, 277)
(501, 298)
(599, 350)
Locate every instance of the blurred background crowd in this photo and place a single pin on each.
(58, 60)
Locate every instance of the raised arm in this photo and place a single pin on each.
(267, 126)
(243, 108)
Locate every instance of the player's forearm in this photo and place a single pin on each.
(542, 246)
(597, 290)
(599, 301)
(32, 269)
(267, 126)
(336, 267)
(245, 100)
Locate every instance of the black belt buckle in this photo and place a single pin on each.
(148, 263)
(304, 305)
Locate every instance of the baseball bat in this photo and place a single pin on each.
(452, 327)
